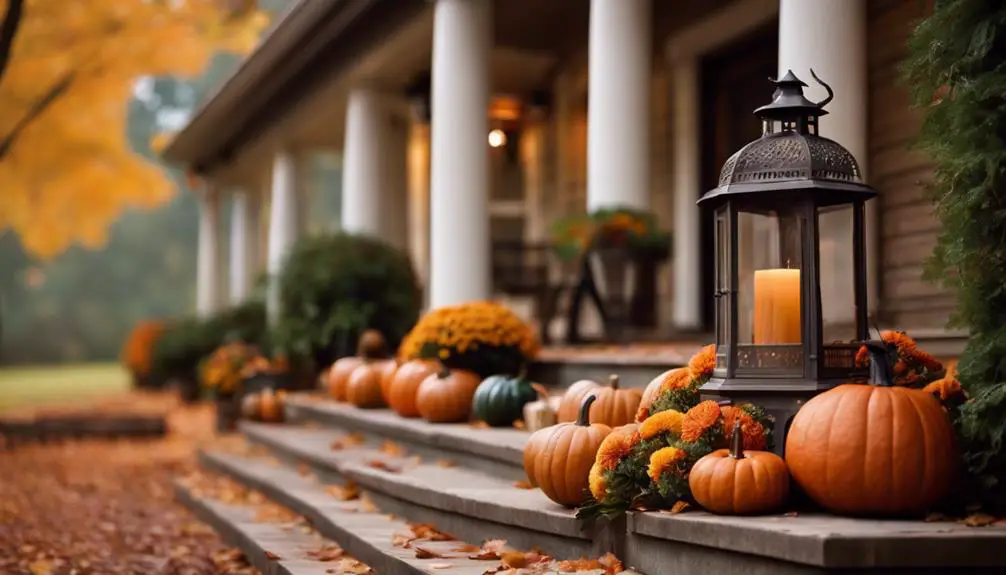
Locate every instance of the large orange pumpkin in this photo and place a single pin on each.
(446, 396)
(405, 383)
(569, 405)
(558, 459)
(363, 389)
(735, 482)
(873, 449)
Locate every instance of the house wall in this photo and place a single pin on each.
(908, 228)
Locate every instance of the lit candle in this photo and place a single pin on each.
(777, 306)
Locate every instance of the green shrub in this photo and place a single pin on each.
(334, 286)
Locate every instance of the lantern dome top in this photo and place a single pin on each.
(795, 157)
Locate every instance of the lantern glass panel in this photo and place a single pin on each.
(769, 269)
(837, 273)
(722, 279)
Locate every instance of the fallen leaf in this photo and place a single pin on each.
(380, 465)
(346, 492)
(523, 485)
(271, 556)
(491, 549)
(347, 441)
(441, 565)
(367, 504)
(679, 506)
(424, 553)
(403, 541)
(429, 532)
(391, 448)
(465, 548)
(936, 517)
(328, 552)
(41, 567)
(479, 424)
(303, 469)
(612, 565)
(979, 520)
(445, 463)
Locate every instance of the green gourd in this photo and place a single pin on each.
(499, 400)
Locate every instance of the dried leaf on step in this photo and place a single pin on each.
(328, 552)
(519, 424)
(679, 506)
(441, 565)
(429, 532)
(574, 565)
(424, 553)
(445, 463)
(350, 565)
(465, 548)
(612, 565)
(303, 469)
(936, 518)
(271, 556)
(367, 505)
(479, 424)
(391, 448)
(347, 441)
(979, 520)
(346, 492)
(400, 540)
(382, 466)
(491, 549)
(523, 485)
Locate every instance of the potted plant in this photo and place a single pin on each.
(619, 236)
(221, 376)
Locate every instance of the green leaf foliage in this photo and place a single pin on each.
(335, 286)
(957, 73)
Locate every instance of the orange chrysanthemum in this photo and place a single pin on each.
(598, 485)
(613, 449)
(699, 419)
(665, 421)
(663, 460)
(676, 380)
(927, 360)
(945, 388)
(702, 363)
(752, 432)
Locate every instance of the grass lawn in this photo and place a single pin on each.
(60, 384)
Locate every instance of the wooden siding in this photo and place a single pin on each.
(900, 174)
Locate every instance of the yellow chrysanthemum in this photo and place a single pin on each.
(663, 422)
(466, 327)
(663, 460)
(598, 485)
(699, 419)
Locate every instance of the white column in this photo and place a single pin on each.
(362, 185)
(419, 200)
(245, 208)
(459, 171)
(687, 181)
(283, 224)
(208, 256)
(830, 37)
(618, 111)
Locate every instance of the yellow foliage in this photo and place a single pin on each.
(66, 169)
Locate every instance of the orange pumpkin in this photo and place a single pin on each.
(387, 374)
(271, 405)
(405, 383)
(652, 388)
(446, 396)
(363, 388)
(558, 459)
(569, 405)
(873, 449)
(735, 482)
(370, 346)
(615, 406)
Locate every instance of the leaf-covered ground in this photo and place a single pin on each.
(108, 507)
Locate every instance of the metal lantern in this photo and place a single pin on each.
(781, 335)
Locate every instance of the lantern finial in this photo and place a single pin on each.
(789, 103)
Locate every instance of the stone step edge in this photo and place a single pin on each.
(235, 529)
(553, 522)
(500, 444)
(296, 493)
(808, 539)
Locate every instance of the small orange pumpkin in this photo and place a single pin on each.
(615, 406)
(876, 449)
(371, 345)
(363, 389)
(405, 383)
(735, 482)
(387, 375)
(264, 405)
(652, 388)
(569, 405)
(558, 459)
(446, 396)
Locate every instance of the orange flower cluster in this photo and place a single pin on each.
(699, 419)
(667, 459)
(262, 365)
(680, 389)
(223, 371)
(138, 351)
(752, 431)
(455, 330)
(913, 367)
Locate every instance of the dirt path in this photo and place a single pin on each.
(107, 507)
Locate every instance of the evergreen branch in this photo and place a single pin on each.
(59, 88)
(8, 31)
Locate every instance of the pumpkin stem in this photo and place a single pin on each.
(540, 390)
(881, 363)
(737, 442)
(522, 372)
(613, 381)
(443, 372)
(583, 419)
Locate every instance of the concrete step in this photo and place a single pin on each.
(361, 526)
(495, 451)
(268, 547)
(480, 505)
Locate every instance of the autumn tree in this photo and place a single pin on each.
(67, 73)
